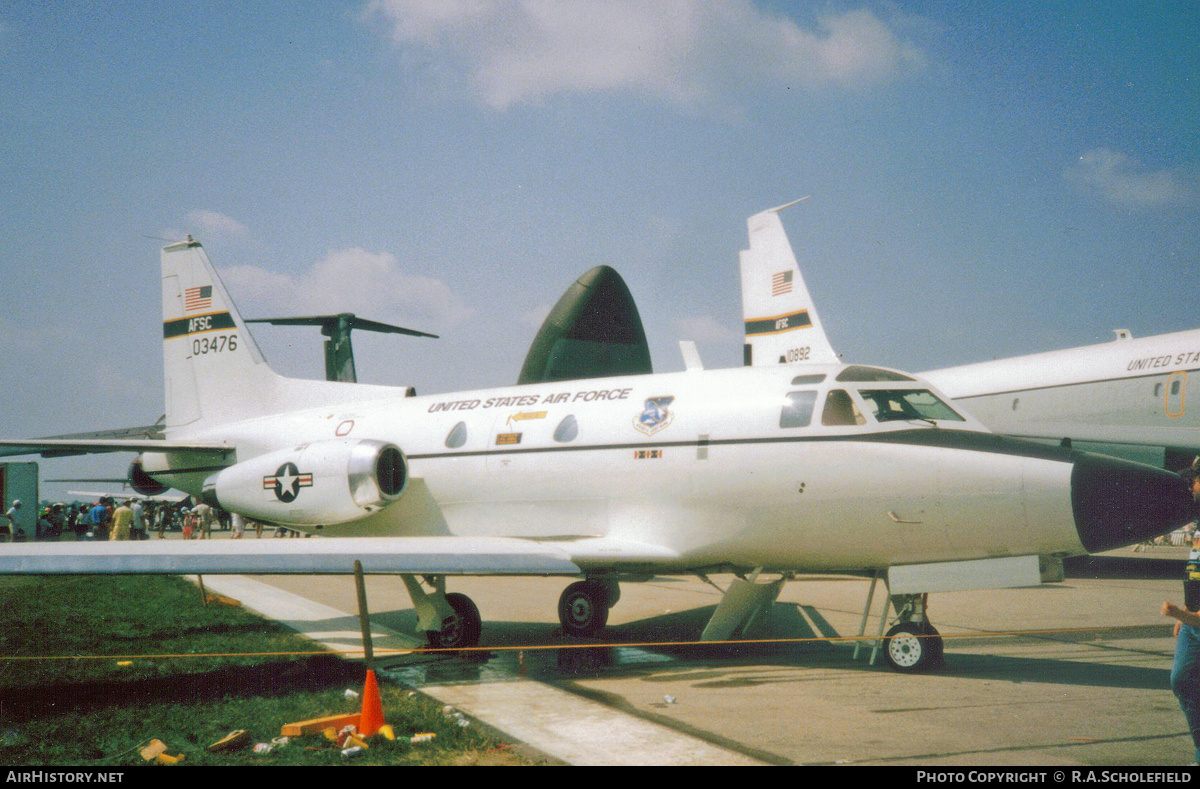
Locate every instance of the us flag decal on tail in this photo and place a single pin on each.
(195, 299)
(781, 283)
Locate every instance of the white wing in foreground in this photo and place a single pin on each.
(65, 446)
(328, 556)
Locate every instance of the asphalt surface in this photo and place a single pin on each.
(1075, 673)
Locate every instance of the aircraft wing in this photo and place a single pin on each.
(1174, 437)
(453, 555)
(316, 556)
(96, 495)
(59, 447)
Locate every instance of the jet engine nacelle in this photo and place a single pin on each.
(322, 483)
(143, 483)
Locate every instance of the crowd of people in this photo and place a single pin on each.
(111, 518)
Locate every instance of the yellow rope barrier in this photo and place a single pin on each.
(544, 647)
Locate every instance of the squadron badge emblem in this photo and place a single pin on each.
(655, 416)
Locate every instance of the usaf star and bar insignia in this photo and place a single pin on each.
(287, 481)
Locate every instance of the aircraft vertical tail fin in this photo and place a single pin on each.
(782, 325)
(594, 331)
(213, 369)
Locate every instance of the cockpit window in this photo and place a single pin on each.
(798, 409)
(859, 374)
(841, 410)
(892, 404)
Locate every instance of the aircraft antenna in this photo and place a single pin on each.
(777, 209)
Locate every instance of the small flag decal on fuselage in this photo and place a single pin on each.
(781, 283)
(197, 299)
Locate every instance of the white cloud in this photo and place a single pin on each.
(1119, 179)
(691, 53)
(350, 280)
(216, 225)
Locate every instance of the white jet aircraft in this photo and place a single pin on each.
(1127, 397)
(812, 466)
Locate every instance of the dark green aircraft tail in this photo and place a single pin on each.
(593, 332)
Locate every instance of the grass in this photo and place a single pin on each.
(91, 699)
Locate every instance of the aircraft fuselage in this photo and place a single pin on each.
(727, 468)
(1127, 398)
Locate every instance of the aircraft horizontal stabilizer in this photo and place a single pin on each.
(320, 556)
(342, 321)
(49, 447)
(339, 352)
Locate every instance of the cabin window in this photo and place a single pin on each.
(891, 404)
(841, 410)
(567, 430)
(457, 436)
(798, 409)
(1158, 390)
(1016, 402)
(1175, 387)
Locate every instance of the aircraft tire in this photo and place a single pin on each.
(583, 608)
(909, 647)
(463, 630)
(937, 653)
(612, 591)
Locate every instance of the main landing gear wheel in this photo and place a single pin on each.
(912, 647)
(460, 631)
(937, 655)
(583, 608)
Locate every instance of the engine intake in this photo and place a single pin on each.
(322, 483)
(142, 482)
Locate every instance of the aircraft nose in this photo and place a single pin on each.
(1118, 503)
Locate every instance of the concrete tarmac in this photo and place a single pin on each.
(1075, 673)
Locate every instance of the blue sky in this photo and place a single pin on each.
(986, 181)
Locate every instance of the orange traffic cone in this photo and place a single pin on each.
(371, 719)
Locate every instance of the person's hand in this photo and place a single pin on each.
(1172, 610)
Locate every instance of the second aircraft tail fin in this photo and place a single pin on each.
(782, 326)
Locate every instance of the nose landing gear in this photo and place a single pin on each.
(913, 645)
